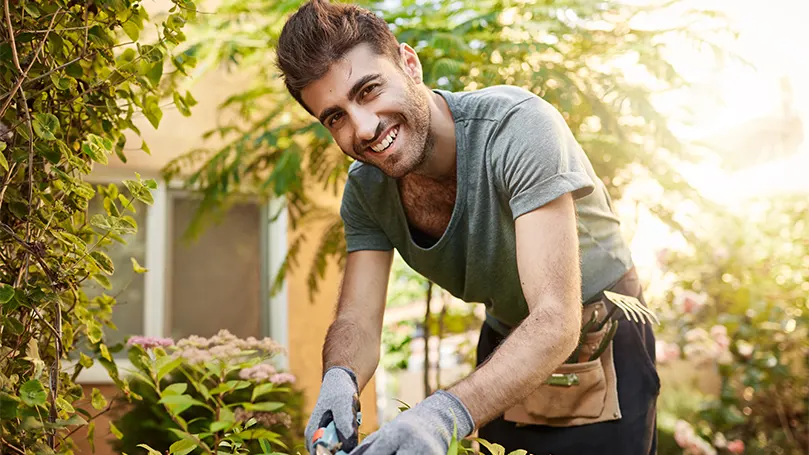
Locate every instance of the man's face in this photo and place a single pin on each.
(375, 110)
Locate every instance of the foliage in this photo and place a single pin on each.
(739, 310)
(214, 395)
(73, 76)
(567, 53)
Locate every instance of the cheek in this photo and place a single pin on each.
(345, 140)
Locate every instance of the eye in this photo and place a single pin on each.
(368, 90)
(335, 118)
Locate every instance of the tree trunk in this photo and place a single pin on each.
(429, 296)
(440, 335)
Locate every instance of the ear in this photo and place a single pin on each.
(410, 62)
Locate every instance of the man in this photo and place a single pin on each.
(487, 194)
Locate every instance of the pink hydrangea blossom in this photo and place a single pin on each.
(282, 378)
(260, 372)
(149, 342)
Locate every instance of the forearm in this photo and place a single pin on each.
(524, 360)
(350, 343)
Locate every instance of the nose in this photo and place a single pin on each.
(365, 124)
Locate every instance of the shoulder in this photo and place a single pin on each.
(490, 103)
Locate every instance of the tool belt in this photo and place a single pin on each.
(586, 391)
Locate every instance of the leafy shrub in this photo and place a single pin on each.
(740, 310)
(205, 395)
(73, 75)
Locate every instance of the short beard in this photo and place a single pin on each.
(417, 103)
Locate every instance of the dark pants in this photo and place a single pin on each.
(638, 387)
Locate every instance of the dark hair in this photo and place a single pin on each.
(320, 33)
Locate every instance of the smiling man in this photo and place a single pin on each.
(488, 194)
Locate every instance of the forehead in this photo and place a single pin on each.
(332, 89)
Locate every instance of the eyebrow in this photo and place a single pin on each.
(355, 90)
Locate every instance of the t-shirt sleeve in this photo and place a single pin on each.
(536, 158)
(361, 231)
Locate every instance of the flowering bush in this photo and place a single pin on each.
(209, 395)
(739, 312)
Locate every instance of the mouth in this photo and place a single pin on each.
(386, 141)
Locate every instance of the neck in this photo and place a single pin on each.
(441, 160)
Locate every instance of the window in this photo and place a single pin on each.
(221, 279)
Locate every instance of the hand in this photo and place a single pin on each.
(336, 402)
(425, 429)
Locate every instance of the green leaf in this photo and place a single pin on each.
(6, 293)
(268, 406)
(176, 389)
(106, 284)
(151, 54)
(180, 403)
(154, 73)
(104, 262)
(33, 393)
(105, 352)
(64, 405)
(262, 389)
(85, 361)
(495, 449)
(166, 365)
(181, 106)
(3, 161)
(182, 447)
(115, 431)
(75, 419)
(139, 191)
(8, 406)
(221, 425)
(46, 126)
(137, 267)
(152, 111)
(145, 147)
(132, 30)
(97, 400)
(149, 449)
(97, 148)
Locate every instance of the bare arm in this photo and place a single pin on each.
(354, 337)
(548, 263)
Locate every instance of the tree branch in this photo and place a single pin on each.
(11, 39)
(23, 74)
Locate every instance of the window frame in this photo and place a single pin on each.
(272, 242)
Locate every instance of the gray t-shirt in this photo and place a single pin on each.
(514, 153)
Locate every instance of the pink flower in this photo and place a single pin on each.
(690, 301)
(260, 372)
(149, 342)
(666, 352)
(282, 378)
(736, 446)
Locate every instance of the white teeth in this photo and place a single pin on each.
(381, 146)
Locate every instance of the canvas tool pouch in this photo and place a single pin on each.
(595, 397)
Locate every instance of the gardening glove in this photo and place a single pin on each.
(339, 402)
(425, 429)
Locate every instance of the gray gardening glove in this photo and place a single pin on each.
(339, 402)
(425, 429)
